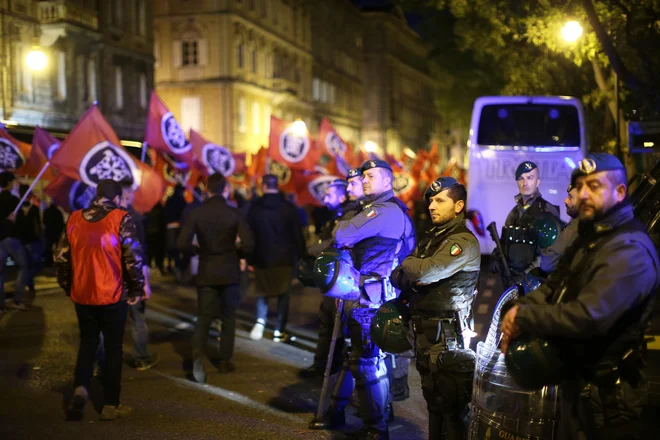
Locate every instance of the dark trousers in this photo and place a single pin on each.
(221, 302)
(35, 252)
(327, 314)
(282, 310)
(92, 320)
(156, 249)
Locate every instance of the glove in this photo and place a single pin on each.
(399, 279)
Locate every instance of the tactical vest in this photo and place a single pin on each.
(96, 258)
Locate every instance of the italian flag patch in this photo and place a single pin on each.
(371, 213)
(455, 250)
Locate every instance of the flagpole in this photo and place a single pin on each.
(27, 193)
(144, 151)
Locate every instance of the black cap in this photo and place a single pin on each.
(525, 167)
(375, 163)
(574, 176)
(439, 185)
(597, 162)
(354, 172)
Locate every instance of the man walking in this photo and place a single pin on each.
(100, 265)
(217, 226)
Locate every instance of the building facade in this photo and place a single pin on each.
(400, 108)
(223, 67)
(97, 51)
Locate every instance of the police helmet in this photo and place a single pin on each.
(547, 228)
(533, 362)
(305, 271)
(335, 275)
(390, 327)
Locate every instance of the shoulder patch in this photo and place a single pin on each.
(455, 250)
(371, 212)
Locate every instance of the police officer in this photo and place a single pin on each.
(550, 255)
(439, 280)
(375, 235)
(341, 208)
(354, 187)
(519, 240)
(597, 302)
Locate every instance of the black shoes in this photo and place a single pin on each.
(226, 367)
(330, 420)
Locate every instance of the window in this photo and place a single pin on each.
(324, 91)
(191, 113)
(116, 12)
(315, 89)
(143, 91)
(331, 94)
(255, 62)
(240, 55)
(242, 110)
(119, 88)
(256, 118)
(156, 51)
(142, 17)
(23, 73)
(189, 53)
(61, 75)
(91, 81)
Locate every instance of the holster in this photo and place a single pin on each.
(440, 334)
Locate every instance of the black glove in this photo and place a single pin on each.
(399, 279)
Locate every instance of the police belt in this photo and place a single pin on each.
(518, 234)
(442, 331)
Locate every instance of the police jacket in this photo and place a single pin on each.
(217, 225)
(376, 234)
(599, 297)
(99, 260)
(518, 238)
(442, 271)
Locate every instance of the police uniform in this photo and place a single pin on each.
(596, 304)
(375, 235)
(439, 279)
(519, 240)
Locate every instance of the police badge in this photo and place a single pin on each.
(173, 134)
(588, 165)
(293, 147)
(107, 161)
(218, 159)
(11, 158)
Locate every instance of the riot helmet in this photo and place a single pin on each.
(390, 329)
(335, 275)
(305, 271)
(547, 228)
(533, 362)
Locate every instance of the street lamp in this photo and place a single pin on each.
(370, 147)
(299, 127)
(571, 31)
(36, 59)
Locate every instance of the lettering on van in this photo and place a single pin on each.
(504, 169)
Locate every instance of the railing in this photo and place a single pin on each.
(62, 10)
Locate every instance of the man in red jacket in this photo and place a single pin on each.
(99, 264)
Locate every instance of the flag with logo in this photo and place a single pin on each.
(92, 152)
(291, 147)
(257, 167)
(284, 175)
(44, 145)
(14, 154)
(70, 194)
(405, 185)
(211, 158)
(310, 187)
(164, 134)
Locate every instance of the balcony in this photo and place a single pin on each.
(62, 11)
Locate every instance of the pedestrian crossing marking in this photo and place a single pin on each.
(482, 309)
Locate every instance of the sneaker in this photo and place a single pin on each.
(257, 331)
(279, 336)
(110, 412)
(198, 371)
(78, 402)
(226, 367)
(146, 363)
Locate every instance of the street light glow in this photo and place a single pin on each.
(36, 59)
(370, 147)
(299, 127)
(571, 31)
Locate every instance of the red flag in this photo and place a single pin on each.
(284, 175)
(257, 167)
(405, 185)
(211, 158)
(174, 172)
(329, 141)
(13, 153)
(163, 132)
(310, 187)
(92, 152)
(70, 194)
(43, 147)
(290, 147)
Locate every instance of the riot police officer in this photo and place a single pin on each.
(595, 304)
(519, 241)
(375, 236)
(341, 208)
(439, 280)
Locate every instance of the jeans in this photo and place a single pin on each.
(282, 310)
(221, 302)
(11, 246)
(35, 253)
(93, 320)
(139, 330)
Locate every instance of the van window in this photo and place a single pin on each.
(520, 125)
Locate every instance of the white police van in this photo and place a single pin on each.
(507, 130)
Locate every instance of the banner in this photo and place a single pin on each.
(13, 153)
(211, 158)
(44, 146)
(310, 187)
(405, 185)
(69, 194)
(291, 147)
(164, 134)
(92, 152)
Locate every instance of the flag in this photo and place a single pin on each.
(211, 158)
(163, 132)
(43, 147)
(92, 152)
(13, 153)
(257, 167)
(310, 187)
(70, 194)
(405, 185)
(284, 175)
(291, 148)
(329, 141)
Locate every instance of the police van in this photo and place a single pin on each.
(507, 130)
